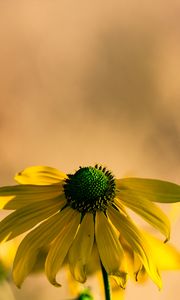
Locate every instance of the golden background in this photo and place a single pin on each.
(85, 82)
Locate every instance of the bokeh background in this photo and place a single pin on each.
(85, 82)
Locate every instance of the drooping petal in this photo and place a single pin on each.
(60, 247)
(93, 264)
(15, 197)
(109, 247)
(153, 189)
(137, 241)
(134, 264)
(41, 236)
(81, 248)
(120, 279)
(146, 209)
(28, 216)
(40, 175)
(166, 255)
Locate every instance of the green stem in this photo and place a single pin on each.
(107, 288)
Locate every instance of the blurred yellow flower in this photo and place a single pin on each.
(72, 212)
(7, 254)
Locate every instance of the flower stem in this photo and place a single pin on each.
(107, 288)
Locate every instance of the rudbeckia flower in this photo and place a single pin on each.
(70, 213)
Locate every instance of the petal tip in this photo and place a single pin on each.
(120, 278)
(18, 174)
(167, 238)
(17, 282)
(55, 283)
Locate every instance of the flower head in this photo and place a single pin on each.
(71, 213)
(90, 189)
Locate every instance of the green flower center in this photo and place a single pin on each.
(90, 189)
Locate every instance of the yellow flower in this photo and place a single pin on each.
(70, 213)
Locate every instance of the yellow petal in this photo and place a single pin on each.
(40, 237)
(141, 276)
(7, 253)
(120, 279)
(133, 265)
(174, 212)
(60, 247)
(40, 175)
(153, 189)
(28, 216)
(118, 293)
(109, 247)
(135, 268)
(166, 255)
(15, 197)
(146, 209)
(137, 241)
(81, 248)
(93, 264)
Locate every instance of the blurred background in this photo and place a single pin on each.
(91, 82)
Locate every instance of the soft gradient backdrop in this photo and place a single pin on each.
(83, 82)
